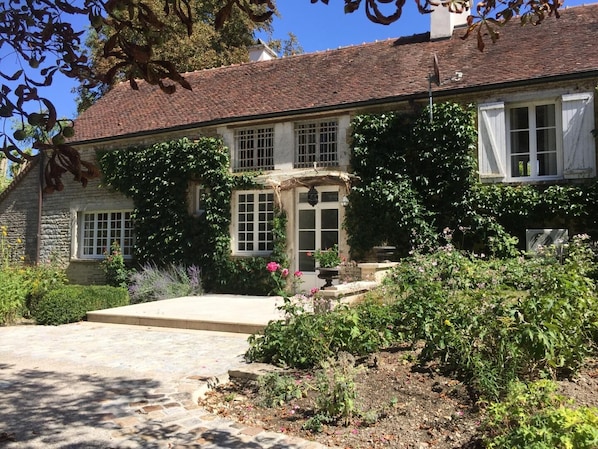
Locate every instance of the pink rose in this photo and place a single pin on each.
(272, 267)
(285, 272)
(298, 274)
(314, 290)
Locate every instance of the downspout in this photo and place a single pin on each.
(40, 203)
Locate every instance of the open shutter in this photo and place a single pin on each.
(491, 141)
(579, 151)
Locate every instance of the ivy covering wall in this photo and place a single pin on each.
(419, 179)
(158, 178)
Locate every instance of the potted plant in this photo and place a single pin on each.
(328, 264)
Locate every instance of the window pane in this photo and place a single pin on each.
(546, 139)
(329, 197)
(307, 240)
(329, 219)
(306, 263)
(519, 118)
(545, 116)
(520, 142)
(307, 219)
(547, 164)
(520, 166)
(328, 239)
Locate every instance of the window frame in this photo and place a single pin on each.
(103, 243)
(255, 162)
(258, 226)
(319, 158)
(532, 133)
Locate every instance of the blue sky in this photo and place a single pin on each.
(317, 27)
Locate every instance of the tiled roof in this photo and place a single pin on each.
(352, 76)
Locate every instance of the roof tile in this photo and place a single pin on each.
(375, 72)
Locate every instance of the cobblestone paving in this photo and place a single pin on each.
(91, 385)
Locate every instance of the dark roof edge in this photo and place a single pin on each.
(359, 104)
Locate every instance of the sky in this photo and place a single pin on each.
(317, 26)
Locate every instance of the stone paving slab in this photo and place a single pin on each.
(224, 313)
(92, 385)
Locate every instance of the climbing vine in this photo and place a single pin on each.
(419, 178)
(158, 179)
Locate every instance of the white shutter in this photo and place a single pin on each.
(579, 151)
(491, 141)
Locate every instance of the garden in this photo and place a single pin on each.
(468, 343)
(454, 350)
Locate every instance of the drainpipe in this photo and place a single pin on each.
(40, 203)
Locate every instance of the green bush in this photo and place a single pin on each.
(496, 321)
(533, 416)
(13, 293)
(40, 280)
(70, 303)
(307, 339)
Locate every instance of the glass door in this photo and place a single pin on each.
(318, 228)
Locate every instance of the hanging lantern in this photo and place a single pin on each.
(312, 196)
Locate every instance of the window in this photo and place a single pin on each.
(98, 230)
(535, 141)
(316, 143)
(254, 215)
(254, 149)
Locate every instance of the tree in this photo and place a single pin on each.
(205, 48)
(40, 36)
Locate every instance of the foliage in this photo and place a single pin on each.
(70, 303)
(336, 390)
(205, 48)
(415, 177)
(305, 339)
(151, 283)
(497, 321)
(166, 232)
(418, 178)
(276, 389)
(12, 295)
(533, 416)
(327, 258)
(117, 273)
(11, 249)
(41, 279)
(488, 321)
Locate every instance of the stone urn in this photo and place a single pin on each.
(328, 274)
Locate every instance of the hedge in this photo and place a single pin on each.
(71, 303)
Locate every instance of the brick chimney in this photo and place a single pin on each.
(443, 22)
(261, 52)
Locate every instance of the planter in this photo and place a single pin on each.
(328, 274)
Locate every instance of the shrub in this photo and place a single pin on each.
(276, 389)
(154, 284)
(307, 339)
(533, 416)
(117, 273)
(70, 303)
(13, 292)
(493, 321)
(40, 280)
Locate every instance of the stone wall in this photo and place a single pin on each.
(19, 212)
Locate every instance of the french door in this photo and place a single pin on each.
(318, 228)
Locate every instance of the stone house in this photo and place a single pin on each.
(290, 118)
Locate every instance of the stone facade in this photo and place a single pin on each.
(20, 212)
